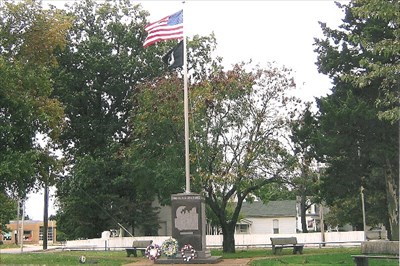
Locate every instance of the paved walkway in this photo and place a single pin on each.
(224, 262)
(26, 249)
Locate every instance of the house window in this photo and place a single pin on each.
(276, 226)
(242, 229)
(310, 224)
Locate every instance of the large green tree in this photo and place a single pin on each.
(100, 70)
(240, 119)
(375, 29)
(29, 37)
(304, 182)
(358, 121)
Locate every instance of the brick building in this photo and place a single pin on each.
(33, 232)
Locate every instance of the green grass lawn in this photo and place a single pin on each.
(311, 257)
(317, 256)
(260, 257)
(112, 258)
(315, 260)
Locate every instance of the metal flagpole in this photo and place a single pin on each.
(186, 108)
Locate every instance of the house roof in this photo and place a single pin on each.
(281, 208)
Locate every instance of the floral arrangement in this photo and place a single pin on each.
(153, 252)
(170, 247)
(188, 249)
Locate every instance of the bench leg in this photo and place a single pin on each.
(301, 250)
(298, 249)
(134, 251)
(294, 250)
(361, 261)
(278, 250)
(143, 252)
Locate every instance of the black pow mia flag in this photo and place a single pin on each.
(174, 57)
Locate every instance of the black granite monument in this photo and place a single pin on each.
(189, 227)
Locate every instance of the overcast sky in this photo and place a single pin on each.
(263, 31)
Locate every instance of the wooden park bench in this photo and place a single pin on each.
(138, 245)
(377, 250)
(362, 260)
(279, 243)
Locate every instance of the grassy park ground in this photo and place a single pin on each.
(259, 257)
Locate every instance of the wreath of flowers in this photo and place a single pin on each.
(170, 247)
(185, 249)
(153, 252)
(82, 259)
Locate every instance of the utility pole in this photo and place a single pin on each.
(16, 232)
(321, 211)
(322, 226)
(22, 226)
(45, 214)
(363, 212)
(362, 196)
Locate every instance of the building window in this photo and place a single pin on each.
(276, 226)
(242, 229)
(6, 236)
(310, 224)
(27, 235)
(49, 233)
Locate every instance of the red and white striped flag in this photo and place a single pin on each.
(168, 28)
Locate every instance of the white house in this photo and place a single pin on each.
(275, 217)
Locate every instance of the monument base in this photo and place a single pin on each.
(204, 253)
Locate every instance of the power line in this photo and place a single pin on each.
(106, 212)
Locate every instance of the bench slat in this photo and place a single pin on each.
(283, 240)
(141, 243)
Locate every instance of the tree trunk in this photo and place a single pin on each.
(392, 202)
(303, 209)
(228, 242)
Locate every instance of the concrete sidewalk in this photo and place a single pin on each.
(27, 249)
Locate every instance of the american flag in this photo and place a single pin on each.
(168, 28)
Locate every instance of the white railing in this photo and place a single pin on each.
(241, 240)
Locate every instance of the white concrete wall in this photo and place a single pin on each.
(113, 242)
(241, 240)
